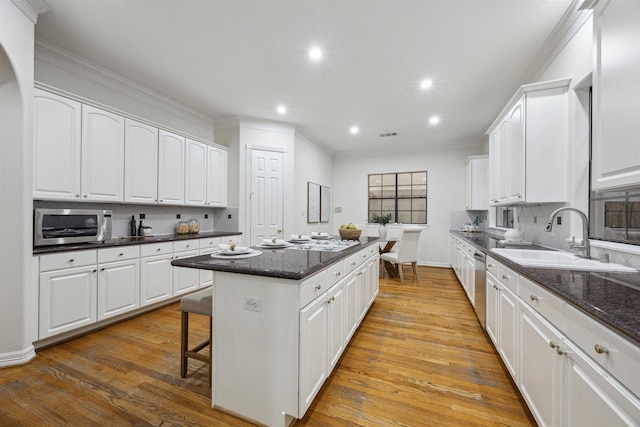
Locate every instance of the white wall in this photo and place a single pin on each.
(445, 191)
(312, 163)
(18, 297)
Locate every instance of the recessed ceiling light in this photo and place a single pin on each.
(315, 53)
(434, 120)
(354, 130)
(426, 84)
(282, 109)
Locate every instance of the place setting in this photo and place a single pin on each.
(234, 251)
(274, 244)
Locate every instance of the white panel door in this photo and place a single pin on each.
(266, 195)
(170, 168)
(195, 186)
(56, 145)
(140, 163)
(156, 279)
(313, 351)
(352, 303)
(185, 279)
(336, 327)
(102, 155)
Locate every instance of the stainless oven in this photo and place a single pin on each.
(63, 226)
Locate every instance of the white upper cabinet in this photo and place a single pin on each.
(102, 155)
(57, 147)
(616, 101)
(528, 144)
(216, 177)
(195, 188)
(140, 163)
(477, 183)
(171, 168)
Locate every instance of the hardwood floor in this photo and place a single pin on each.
(420, 358)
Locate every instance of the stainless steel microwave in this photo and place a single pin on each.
(64, 226)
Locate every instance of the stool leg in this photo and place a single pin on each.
(184, 343)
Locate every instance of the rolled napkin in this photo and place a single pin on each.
(232, 248)
(299, 237)
(273, 242)
(315, 233)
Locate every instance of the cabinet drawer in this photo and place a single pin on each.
(614, 353)
(352, 263)
(62, 260)
(313, 287)
(509, 278)
(118, 254)
(186, 245)
(492, 266)
(209, 245)
(156, 249)
(335, 272)
(543, 301)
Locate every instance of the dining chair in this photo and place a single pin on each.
(407, 252)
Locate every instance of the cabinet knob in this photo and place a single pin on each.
(553, 344)
(102, 269)
(560, 351)
(318, 287)
(533, 298)
(338, 273)
(489, 265)
(505, 277)
(600, 349)
(121, 254)
(77, 196)
(94, 271)
(158, 250)
(85, 196)
(71, 260)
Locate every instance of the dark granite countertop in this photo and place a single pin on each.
(611, 298)
(131, 241)
(281, 263)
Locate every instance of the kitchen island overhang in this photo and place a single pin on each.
(280, 323)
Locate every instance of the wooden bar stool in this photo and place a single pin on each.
(200, 302)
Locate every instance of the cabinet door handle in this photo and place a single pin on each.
(600, 349)
(338, 273)
(533, 298)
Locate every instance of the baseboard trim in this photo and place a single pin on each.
(16, 358)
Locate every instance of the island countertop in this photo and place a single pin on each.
(284, 263)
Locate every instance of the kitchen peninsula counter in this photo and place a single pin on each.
(611, 298)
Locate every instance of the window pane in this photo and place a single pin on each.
(389, 192)
(389, 204)
(375, 205)
(419, 217)
(419, 204)
(404, 179)
(404, 191)
(634, 219)
(404, 204)
(404, 217)
(419, 178)
(375, 180)
(389, 179)
(419, 191)
(375, 192)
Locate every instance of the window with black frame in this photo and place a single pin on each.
(403, 195)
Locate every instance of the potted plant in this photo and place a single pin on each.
(382, 220)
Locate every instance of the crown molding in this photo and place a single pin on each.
(568, 26)
(74, 64)
(32, 8)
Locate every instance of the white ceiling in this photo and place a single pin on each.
(244, 58)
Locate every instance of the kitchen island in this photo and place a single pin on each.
(281, 320)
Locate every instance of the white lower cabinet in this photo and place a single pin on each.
(570, 369)
(207, 247)
(118, 287)
(185, 279)
(67, 299)
(329, 321)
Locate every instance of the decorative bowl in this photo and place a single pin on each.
(349, 234)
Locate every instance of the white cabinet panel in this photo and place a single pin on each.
(336, 343)
(216, 177)
(170, 168)
(57, 147)
(141, 163)
(102, 155)
(352, 286)
(67, 300)
(477, 189)
(118, 288)
(195, 173)
(313, 351)
(185, 279)
(616, 77)
(156, 279)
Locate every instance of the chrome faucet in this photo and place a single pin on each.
(584, 247)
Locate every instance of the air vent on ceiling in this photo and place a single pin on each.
(384, 135)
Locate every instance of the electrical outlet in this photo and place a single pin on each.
(143, 216)
(559, 220)
(229, 216)
(206, 216)
(253, 304)
(177, 216)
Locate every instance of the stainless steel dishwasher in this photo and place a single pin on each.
(480, 289)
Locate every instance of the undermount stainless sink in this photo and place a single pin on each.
(558, 259)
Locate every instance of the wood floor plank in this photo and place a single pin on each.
(419, 358)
